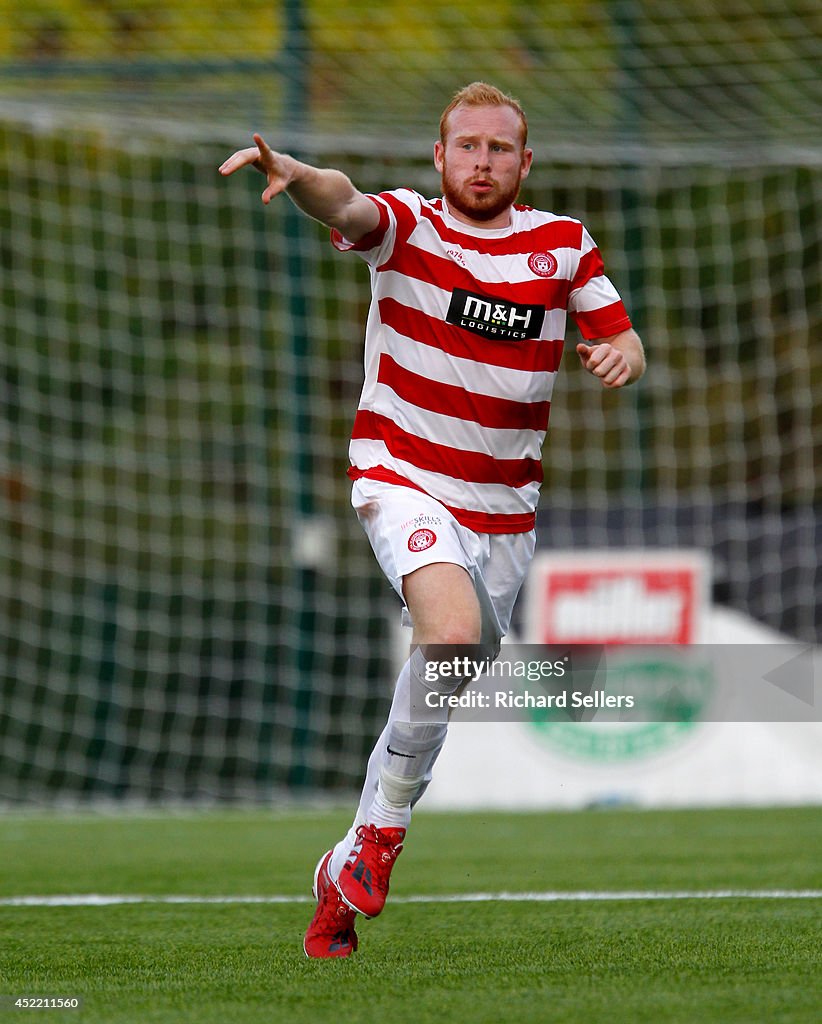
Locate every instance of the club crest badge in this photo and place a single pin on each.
(421, 540)
(544, 264)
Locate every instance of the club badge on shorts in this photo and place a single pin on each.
(421, 540)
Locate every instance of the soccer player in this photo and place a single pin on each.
(470, 293)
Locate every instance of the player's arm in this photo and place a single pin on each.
(325, 194)
(617, 360)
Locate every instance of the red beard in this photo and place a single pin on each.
(480, 206)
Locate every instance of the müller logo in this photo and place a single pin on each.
(494, 318)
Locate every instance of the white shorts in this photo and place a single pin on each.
(408, 529)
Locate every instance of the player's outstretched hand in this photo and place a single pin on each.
(606, 362)
(277, 167)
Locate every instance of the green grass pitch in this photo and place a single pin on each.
(735, 960)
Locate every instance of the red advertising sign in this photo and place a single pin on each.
(629, 597)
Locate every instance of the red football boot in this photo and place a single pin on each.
(363, 881)
(331, 932)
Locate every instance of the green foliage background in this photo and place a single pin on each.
(599, 70)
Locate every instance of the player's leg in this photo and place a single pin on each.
(434, 564)
(427, 557)
(453, 612)
(445, 611)
(444, 608)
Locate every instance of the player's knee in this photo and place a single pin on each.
(445, 668)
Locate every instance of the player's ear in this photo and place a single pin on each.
(527, 158)
(439, 152)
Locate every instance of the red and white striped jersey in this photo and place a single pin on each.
(462, 346)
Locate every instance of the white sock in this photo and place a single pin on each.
(373, 807)
(385, 814)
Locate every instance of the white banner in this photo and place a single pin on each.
(530, 765)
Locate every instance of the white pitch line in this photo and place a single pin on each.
(114, 900)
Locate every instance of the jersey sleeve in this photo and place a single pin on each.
(593, 301)
(399, 213)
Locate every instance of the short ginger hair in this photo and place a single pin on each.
(481, 94)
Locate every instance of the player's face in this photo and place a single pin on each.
(483, 163)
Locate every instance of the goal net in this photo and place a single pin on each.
(188, 608)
